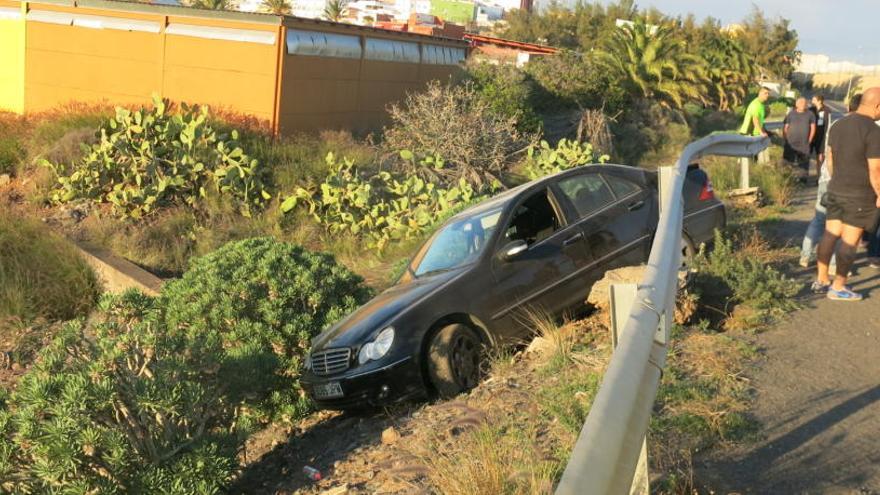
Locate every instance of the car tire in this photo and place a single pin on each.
(454, 359)
(688, 252)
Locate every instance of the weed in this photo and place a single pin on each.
(41, 274)
(775, 180)
(702, 401)
(568, 400)
(500, 361)
(559, 339)
(737, 275)
(493, 459)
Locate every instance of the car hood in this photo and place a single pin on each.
(359, 325)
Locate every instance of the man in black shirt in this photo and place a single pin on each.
(853, 195)
(823, 118)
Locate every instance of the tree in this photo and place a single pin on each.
(652, 63)
(335, 10)
(772, 43)
(729, 68)
(211, 4)
(278, 7)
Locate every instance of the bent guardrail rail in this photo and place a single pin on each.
(607, 451)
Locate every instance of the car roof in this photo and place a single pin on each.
(500, 200)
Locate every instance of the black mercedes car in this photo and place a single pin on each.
(540, 245)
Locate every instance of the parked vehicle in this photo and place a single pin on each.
(540, 245)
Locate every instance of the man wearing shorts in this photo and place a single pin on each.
(853, 199)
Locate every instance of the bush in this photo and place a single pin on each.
(456, 123)
(263, 300)
(566, 155)
(570, 79)
(379, 207)
(121, 406)
(41, 274)
(731, 274)
(153, 157)
(508, 92)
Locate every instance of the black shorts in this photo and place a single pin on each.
(818, 144)
(796, 157)
(853, 211)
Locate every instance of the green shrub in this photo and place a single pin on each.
(121, 406)
(381, 207)
(508, 92)
(152, 157)
(263, 300)
(544, 160)
(455, 122)
(571, 79)
(732, 274)
(41, 274)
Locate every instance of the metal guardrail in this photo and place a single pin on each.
(607, 451)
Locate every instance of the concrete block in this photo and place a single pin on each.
(118, 274)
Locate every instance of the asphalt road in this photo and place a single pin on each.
(818, 395)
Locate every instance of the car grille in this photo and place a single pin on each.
(330, 361)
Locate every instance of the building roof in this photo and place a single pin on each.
(477, 40)
(230, 15)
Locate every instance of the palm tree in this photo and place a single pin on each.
(279, 7)
(730, 69)
(335, 9)
(653, 64)
(211, 4)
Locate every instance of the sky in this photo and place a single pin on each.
(841, 29)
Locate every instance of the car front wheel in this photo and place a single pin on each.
(454, 356)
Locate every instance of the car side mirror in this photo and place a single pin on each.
(513, 249)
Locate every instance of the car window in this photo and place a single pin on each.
(456, 244)
(587, 192)
(621, 187)
(533, 221)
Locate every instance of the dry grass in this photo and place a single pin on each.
(41, 275)
(558, 340)
(491, 460)
(703, 401)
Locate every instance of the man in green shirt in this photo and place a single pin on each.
(753, 123)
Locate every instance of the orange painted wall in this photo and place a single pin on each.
(320, 92)
(238, 76)
(65, 63)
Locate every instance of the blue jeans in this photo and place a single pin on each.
(817, 226)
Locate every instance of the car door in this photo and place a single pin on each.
(613, 214)
(539, 278)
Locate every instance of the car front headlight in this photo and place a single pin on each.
(378, 347)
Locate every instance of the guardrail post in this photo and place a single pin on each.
(621, 299)
(744, 172)
(764, 156)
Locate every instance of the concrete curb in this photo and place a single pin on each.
(118, 274)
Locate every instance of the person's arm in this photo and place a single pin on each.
(785, 131)
(874, 173)
(812, 132)
(872, 153)
(829, 160)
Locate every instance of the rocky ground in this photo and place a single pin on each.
(393, 451)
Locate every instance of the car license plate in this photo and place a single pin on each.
(328, 390)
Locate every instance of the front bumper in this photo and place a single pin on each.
(395, 382)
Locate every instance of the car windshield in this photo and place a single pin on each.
(457, 244)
